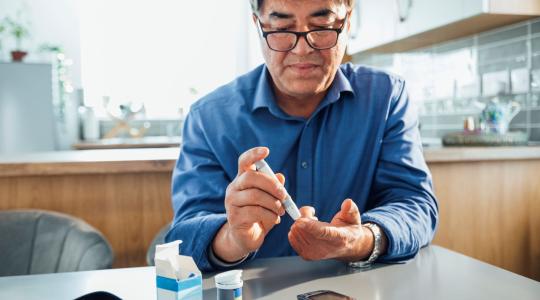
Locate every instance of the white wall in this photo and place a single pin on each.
(154, 51)
(51, 21)
(150, 51)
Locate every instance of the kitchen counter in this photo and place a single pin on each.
(163, 159)
(126, 194)
(127, 143)
(89, 162)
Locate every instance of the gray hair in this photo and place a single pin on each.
(257, 4)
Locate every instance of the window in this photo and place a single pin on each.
(161, 51)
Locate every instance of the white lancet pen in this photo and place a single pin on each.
(290, 206)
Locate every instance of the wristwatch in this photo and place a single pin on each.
(376, 247)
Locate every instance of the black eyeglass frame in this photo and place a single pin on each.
(304, 34)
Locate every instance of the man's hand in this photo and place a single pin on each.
(344, 238)
(253, 205)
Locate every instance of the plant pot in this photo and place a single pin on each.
(18, 56)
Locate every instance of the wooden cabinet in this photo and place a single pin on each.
(128, 208)
(489, 198)
(490, 210)
(125, 194)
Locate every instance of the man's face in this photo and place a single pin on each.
(303, 71)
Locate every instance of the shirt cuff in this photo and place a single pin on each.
(389, 256)
(218, 263)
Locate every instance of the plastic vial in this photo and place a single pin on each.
(229, 285)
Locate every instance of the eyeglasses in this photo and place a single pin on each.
(319, 39)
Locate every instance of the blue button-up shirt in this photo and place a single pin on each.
(362, 142)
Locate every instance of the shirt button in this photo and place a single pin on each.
(305, 165)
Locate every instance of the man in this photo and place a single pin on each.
(344, 140)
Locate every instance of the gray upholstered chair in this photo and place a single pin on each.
(37, 241)
(158, 239)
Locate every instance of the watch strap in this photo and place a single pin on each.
(376, 247)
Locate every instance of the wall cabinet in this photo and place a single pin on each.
(372, 24)
(415, 16)
(401, 25)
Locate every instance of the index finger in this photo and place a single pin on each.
(308, 212)
(248, 158)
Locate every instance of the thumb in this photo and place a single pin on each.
(349, 213)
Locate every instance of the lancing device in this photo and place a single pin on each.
(290, 206)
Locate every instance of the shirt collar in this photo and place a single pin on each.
(264, 95)
(340, 85)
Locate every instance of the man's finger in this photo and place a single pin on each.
(308, 212)
(261, 181)
(256, 197)
(281, 178)
(248, 158)
(349, 213)
(301, 237)
(295, 242)
(268, 219)
(256, 214)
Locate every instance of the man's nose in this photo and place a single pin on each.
(302, 47)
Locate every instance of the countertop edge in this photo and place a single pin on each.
(164, 159)
(79, 168)
(469, 154)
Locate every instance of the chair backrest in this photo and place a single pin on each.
(158, 239)
(37, 241)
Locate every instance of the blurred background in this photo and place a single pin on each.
(146, 61)
(85, 82)
(114, 71)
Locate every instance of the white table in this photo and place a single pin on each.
(436, 273)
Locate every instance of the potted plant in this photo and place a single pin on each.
(19, 31)
(2, 29)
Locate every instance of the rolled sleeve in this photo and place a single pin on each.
(198, 192)
(402, 201)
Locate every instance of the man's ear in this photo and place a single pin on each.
(254, 17)
(349, 22)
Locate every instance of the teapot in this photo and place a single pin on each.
(498, 114)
